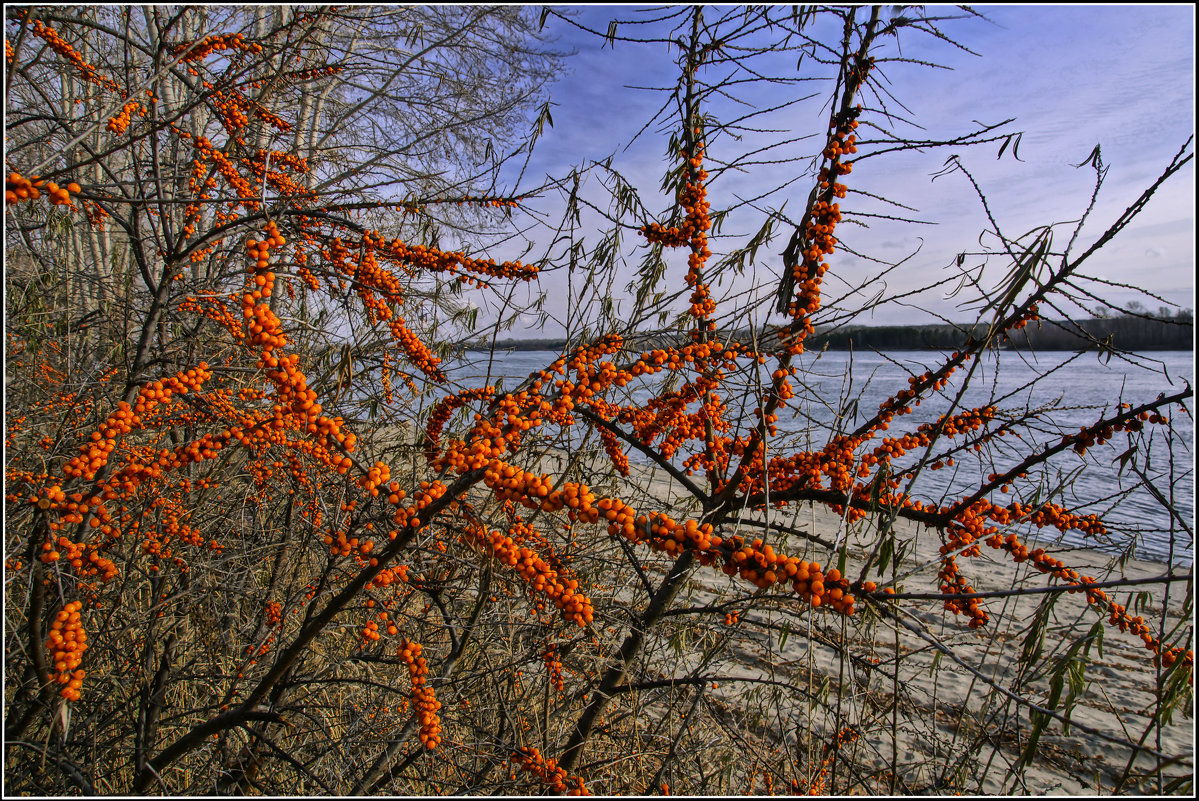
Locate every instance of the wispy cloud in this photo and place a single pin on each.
(1072, 76)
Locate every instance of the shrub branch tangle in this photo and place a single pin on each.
(241, 559)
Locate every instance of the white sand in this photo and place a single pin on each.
(1118, 700)
(945, 710)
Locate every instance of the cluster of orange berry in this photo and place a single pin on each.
(693, 232)
(1118, 615)
(554, 666)
(260, 251)
(417, 351)
(894, 447)
(298, 76)
(615, 451)
(64, 50)
(822, 218)
(202, 48)
(1089, 436)
(410, 515)
(378, 475)
(293, 162)
(48, 498)
(149, 464)
(84, 558)
(927, 381)
(547, 770)
(270, 118)
(510, 483)
(840, 143)
(280, 182)
(755, 562)
(541, 577)
(274, 622)
(262, 326)
(340, 545)
(844, 737)
(1032, 313)
(18, 188)
(443, 410)
(274, 614)
(809, 271)
(66, 643)
(230, 107)
(691, 198)
(389, 575)
(370, 632)
(667, 415)
(427, 259)
(210, 152)
(120, 123)
(490, 200)
(954, 584)
(1051, 514)
(385, 379)
(423, 700)
(94, 454)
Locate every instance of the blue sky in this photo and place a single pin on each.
(1072, 76)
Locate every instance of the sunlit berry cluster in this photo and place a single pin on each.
(378, 475)
(423, 699)
(211, 154)
(202, 48)
(492, 201)
(120, 123)
(541, 577)
(953, 584)
(279, 181)
(692, 232)
(430, 491)
(96, 451)
(64, 50)
(753, 561)
(443, 410)
(1117, 614)
(65, 646)
(547, 770)
(18, 188)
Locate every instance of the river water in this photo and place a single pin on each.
(839, 390)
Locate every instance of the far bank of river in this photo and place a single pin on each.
(1143, 333)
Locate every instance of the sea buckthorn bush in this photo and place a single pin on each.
(262, 538)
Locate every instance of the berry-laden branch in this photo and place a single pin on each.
(182, 487)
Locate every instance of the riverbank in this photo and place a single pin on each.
(924, 690)
(944, 673)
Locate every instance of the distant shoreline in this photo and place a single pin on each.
(1122, 333)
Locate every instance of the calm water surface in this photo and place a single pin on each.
(840, 390)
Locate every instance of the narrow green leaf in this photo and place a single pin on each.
(1034, 640)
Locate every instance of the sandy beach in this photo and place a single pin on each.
(956, 686)
(953, 682)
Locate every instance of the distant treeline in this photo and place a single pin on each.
(1125, 332)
